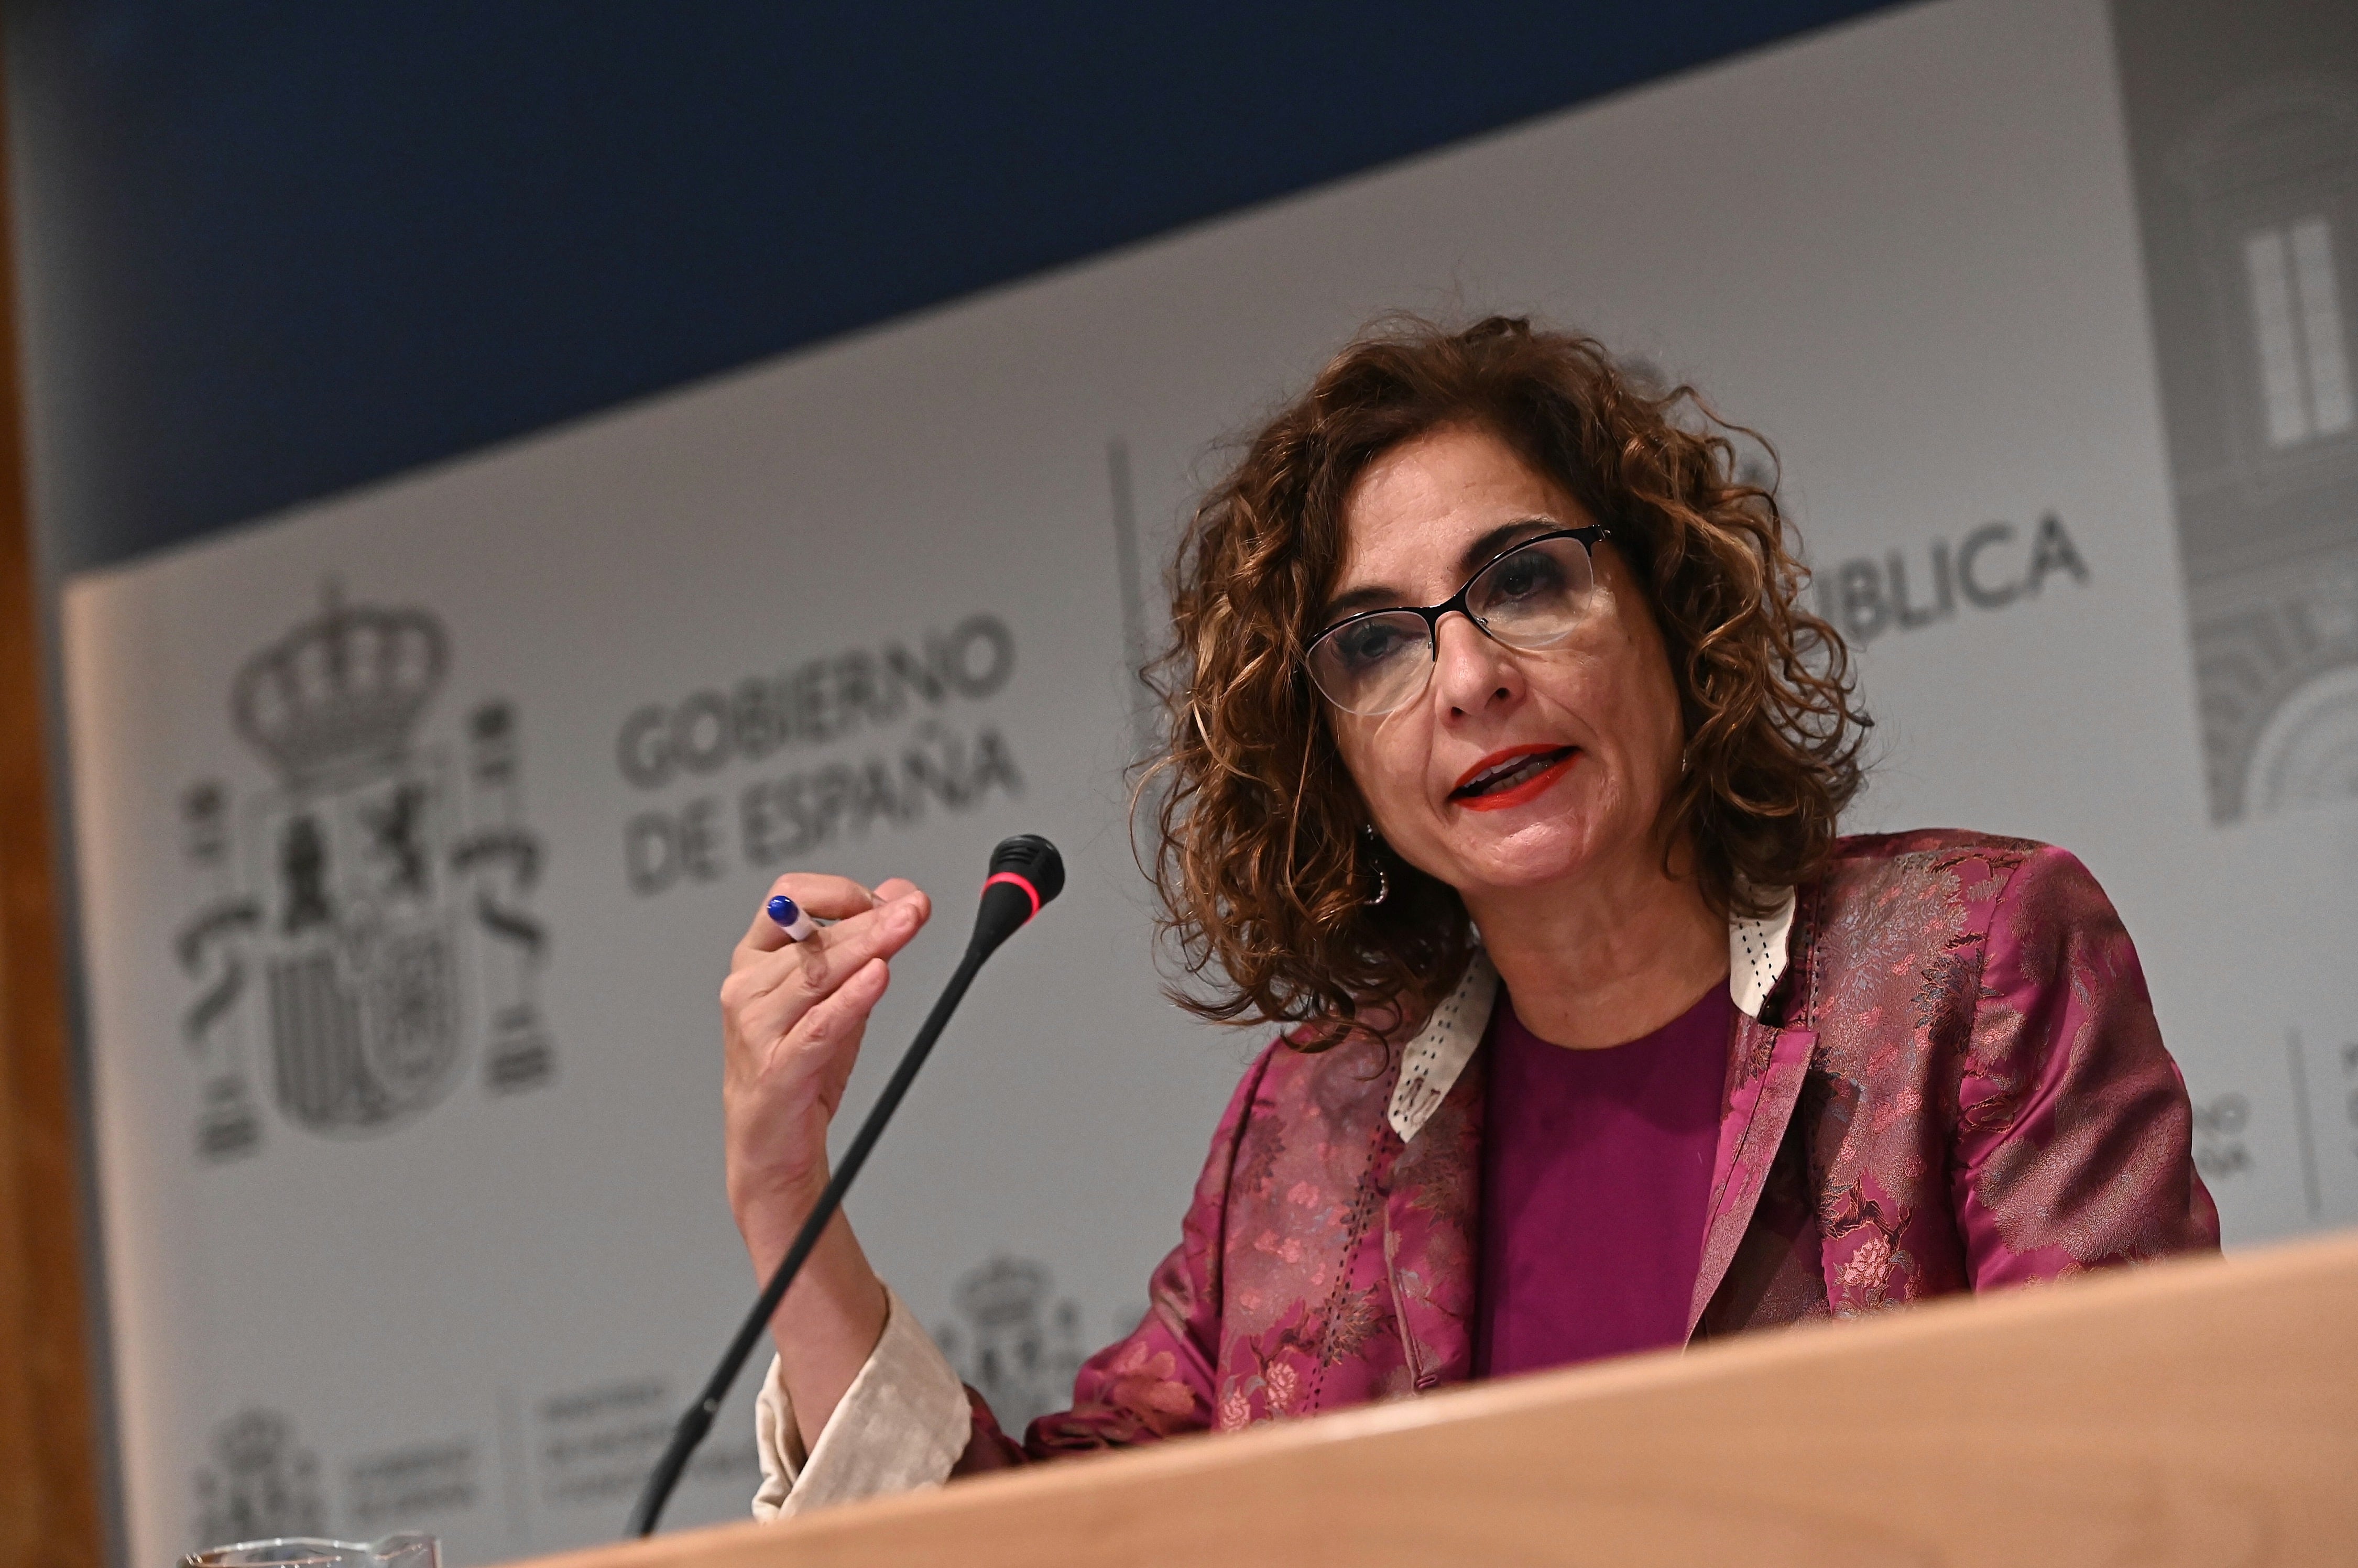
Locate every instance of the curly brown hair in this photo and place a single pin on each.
(1260, 859)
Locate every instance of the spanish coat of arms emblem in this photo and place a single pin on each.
(366, 920)
(261, 1482)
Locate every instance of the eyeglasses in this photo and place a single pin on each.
(1531, 597)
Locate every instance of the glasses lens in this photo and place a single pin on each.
(1533, 597)
(1374, 664)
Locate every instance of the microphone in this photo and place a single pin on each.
(1027, 873)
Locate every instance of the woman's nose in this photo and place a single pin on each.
(1472, 672)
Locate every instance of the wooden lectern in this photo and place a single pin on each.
(2203, 1411)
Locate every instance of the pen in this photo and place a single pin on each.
(791, 919)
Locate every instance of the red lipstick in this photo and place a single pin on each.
(1529, 784)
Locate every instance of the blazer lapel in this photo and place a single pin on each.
(1432, 1199)
(1765, 1070)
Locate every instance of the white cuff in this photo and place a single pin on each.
(901, 1424)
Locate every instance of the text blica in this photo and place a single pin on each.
(1990, 568)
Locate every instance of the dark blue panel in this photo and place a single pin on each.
(280, 249)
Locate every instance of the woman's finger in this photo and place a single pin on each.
(844, 1012)
(770, 992)
(762, 970)
(827, 897)
(821, 963)
(811, 1062)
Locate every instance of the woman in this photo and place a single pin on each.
(1504, 760)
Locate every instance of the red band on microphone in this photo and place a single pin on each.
(1029, 890)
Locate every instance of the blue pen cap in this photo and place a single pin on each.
(783, 910)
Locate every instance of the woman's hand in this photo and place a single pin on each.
(792, 1015)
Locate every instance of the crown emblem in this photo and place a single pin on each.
(252, 1441)
(1003, 1292)
(342, 689)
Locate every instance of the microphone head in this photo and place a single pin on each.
(1026, 873)
(1034, 858)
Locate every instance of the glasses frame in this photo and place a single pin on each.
(1590, 536)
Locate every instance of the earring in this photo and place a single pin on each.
(1383, 882)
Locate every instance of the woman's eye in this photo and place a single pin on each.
(1527, 575)
(1369, 643)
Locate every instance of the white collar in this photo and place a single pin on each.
(1429, 1065)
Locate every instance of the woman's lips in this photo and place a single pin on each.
(1527, 786)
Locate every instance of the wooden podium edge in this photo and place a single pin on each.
(2198, 1409)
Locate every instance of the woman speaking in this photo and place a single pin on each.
(1503, 763)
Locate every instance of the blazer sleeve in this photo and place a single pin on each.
(907, 1423)
(901, 1425)
(1158, 1381)
(2074, 1138)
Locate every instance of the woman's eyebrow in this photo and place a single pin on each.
(1491, 545)
(1373, 596)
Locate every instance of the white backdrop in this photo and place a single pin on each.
(403, 998)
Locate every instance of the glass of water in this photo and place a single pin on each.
(411, 1549)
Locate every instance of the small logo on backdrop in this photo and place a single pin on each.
(367, 919)
(399, 1487)
(261, 1482)
(2219, 1147)
(1010, 1346)
(596, 1444)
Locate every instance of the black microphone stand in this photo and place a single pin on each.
(1002, 911)
(698, 1420)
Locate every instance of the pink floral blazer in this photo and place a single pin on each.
(1954, 1083)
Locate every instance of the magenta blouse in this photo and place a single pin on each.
(1596, 1180)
